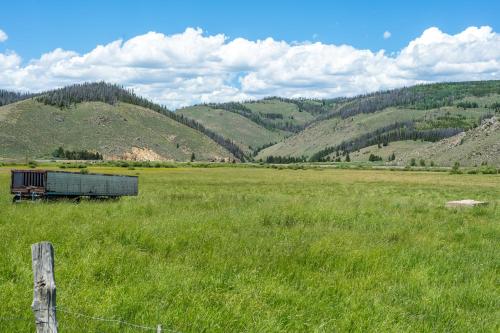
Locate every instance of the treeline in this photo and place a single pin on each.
(264, 146)
(422, 97)
(285, 159)
(495, 106)
(398, 131)
(467, 105)
(8, 97)
(112, 93)
(272, 115)
(264, 121)
(76, 154)
(309, 105)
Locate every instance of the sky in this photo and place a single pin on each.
(184, 52)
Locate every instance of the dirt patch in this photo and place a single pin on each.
(140, 154)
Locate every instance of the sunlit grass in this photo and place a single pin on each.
(232, 249)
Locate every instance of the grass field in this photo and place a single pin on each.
(264, 250)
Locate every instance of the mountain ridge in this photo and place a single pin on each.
(302, 129)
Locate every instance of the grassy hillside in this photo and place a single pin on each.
(398, 148)
(333, 131)
(428, 112)
(29, 128)
(241, 130)
(471, 148)
(253, 125)
(302, 129)
(263, 250)
(280, 113)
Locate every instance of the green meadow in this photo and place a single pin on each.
(263, 250)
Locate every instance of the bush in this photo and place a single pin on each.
(488, 170)
(374, 158)
(76, 155)
(73, 166)
(456, 169)
(413, 162)
(422, 163)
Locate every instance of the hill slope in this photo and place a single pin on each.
(122, 131)
(244, 132)
(257, 124)
(429, 112)
(272, 129)
(474, 147)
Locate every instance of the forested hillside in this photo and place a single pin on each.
(286, 130)
(427, 113)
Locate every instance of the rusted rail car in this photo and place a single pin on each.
(37, 184)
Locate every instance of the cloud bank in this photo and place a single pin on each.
(192, 67)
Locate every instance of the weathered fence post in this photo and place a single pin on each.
(158, 328)
(44, 292)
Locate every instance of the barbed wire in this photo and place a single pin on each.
(117, 321)
(64, 309)
(13, 318)
(109, 320)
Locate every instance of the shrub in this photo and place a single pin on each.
(374, 158)
(456, 168)
(488, 170)
(76, 155)
(413, 162)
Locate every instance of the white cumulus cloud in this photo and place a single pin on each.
(3, 36)
(387, 34)
(192, 67)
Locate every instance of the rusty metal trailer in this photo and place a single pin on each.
(34, 184)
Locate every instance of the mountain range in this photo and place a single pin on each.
(437, 124)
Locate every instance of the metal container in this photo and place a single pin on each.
(51, 184)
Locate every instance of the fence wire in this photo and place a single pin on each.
(115, 321)
(86, 316)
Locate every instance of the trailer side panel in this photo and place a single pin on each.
(74, 184)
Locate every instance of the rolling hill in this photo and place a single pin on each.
(120, 131)
(255, 125)
(428, 113)
(403, 124)
(480, 145)
(244, 132)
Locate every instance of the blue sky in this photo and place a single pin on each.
(37, 28)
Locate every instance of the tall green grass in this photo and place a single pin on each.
(264, 250)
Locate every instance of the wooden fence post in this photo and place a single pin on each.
(44, 292)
